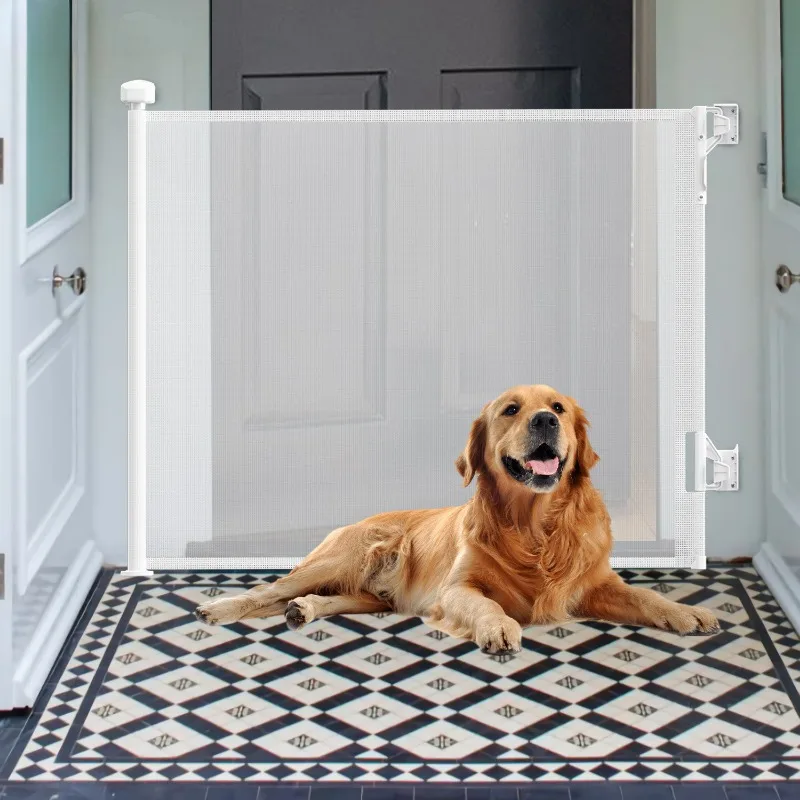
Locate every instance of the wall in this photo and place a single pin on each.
(709, 51)
(167, 43)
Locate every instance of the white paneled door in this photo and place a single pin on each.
(779, 559)
(50, 560)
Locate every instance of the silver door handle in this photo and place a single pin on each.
(784, 278)
(77, 281)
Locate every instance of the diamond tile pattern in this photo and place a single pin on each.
(151, 694)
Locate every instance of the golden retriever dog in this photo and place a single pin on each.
(531, 546)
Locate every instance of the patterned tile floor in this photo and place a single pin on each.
(144, 693)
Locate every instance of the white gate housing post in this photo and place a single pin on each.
(137, 95)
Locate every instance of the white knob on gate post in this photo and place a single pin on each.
(138, 93)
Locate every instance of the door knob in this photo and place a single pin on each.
(77, 281)
(784, 278)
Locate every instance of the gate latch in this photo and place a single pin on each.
(724, 130)
(723, 470)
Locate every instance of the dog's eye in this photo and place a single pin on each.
(510, 410)
(558, 408)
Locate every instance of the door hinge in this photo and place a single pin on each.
(2, 576)
(720, 475)
(761, 167)
(2, 151)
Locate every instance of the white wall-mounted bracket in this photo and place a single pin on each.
(725, 466)
(724, 131)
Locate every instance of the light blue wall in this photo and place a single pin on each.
(710, 51)
(164, 41)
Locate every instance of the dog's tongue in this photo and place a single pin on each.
(548, 467)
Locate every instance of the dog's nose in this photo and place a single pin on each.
(543, 420)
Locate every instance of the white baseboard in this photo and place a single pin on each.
(782, 582)
(55, 625)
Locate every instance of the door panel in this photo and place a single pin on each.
(781, 243)
(545, 44)
(51, 447)
(511, 88)
(323, 92)
(51, 560)
(784, 334)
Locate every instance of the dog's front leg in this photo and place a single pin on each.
(616, 601)
(483, 620)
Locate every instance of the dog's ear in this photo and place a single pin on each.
(471, 460)
(585, 456)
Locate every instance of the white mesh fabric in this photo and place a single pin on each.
(333, 296)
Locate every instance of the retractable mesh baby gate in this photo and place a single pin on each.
(322, 302)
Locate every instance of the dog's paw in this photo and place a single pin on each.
(298, 613)
(499, 635)
(689, 621)
(218, 612)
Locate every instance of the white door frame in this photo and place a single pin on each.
(7, 382)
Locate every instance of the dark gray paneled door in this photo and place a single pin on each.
(278, 484)
(418, 54)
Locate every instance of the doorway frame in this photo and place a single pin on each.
(644, 54)
(7, 371)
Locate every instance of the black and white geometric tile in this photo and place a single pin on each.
(151, 694)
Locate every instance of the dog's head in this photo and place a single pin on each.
(530, 436)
